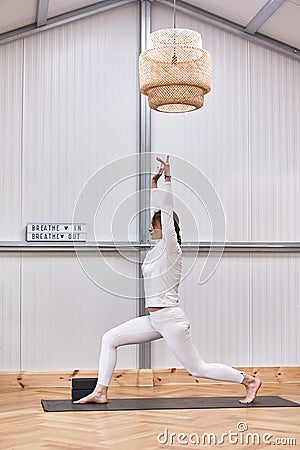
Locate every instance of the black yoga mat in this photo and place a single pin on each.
(126, 404)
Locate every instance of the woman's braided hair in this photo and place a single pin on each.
(157, 219)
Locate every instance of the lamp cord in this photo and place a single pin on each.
(174, 57)
(174, 21)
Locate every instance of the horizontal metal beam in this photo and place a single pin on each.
(241, 247)
(232, 27)
(63, 19)
(244, 247)
(263, 15)
(24, 246)
(180, 6)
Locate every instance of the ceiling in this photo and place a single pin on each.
(276, 19)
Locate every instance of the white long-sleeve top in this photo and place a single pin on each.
(163, 263)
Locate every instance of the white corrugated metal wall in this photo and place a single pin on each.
(246, 140)
(10, 200)
(76, 112)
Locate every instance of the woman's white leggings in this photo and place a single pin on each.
(173, 325)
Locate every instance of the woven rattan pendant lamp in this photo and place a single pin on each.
(175, 71)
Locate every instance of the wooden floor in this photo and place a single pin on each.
(24, 424)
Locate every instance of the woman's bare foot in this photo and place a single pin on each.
(252, 385)
(99, 395)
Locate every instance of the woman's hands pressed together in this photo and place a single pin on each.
(163, 168)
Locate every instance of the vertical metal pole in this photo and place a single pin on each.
(144, 179)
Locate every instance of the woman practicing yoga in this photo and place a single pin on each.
(162, 273)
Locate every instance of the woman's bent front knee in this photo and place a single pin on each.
(108, 339)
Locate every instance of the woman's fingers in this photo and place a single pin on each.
(164, 166)
(160, 160)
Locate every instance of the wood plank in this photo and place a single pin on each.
(145, 377)
(25, 426)
(133, 377)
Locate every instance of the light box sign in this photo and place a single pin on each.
(38, 232)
